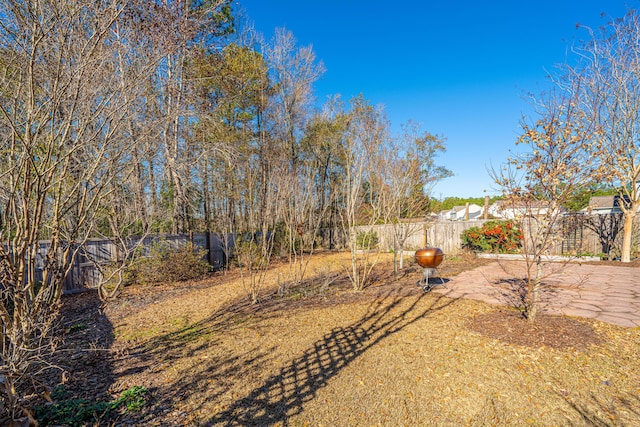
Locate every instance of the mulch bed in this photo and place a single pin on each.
(557, 332)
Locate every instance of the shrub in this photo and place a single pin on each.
(494, 236)
(367, 240)
(168, 264)
(249, 253)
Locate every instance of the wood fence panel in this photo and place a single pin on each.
(442, 234)
(213, 243)
(86, 275)
(392, 236)
(446, 234)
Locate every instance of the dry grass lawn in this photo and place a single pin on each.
(322, 355)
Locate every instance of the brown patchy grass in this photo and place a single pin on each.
(324, 355)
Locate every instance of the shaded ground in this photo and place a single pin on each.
(84, 364)
(322, 354)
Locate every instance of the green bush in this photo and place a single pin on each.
(249, 253)
(494, 236)
(367, 240)
(167, 264)
(284, 241)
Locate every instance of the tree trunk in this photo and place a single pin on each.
(354, 262)
(627, 234)
(534, 293)
(395, 256)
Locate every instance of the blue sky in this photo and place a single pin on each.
(461, 69)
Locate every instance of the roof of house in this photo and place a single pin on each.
(461, 208)
(507, 204)
(605, 202)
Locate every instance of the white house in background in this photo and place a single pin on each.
(503, 209)
(458, 213)
(603, 205)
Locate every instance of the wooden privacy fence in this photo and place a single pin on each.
(410, 236)
(86, 275)
(393, 236)
(446, 235)
(442, 234)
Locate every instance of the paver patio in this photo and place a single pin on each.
(603, 292)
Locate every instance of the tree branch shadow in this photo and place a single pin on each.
(283, 395)
(558, 278)
(81, 368)
(598, 412)
(513, 292)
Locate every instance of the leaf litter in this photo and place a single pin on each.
(390, 355)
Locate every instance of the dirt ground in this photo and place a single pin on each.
(319, 353)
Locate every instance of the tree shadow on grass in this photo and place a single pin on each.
(514, 292)
(83, 365)
(85, 353)
(605, 412)
(283, 395)
(189, 353)
(197, 367)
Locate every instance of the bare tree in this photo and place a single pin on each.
(408, 173)
(367, 132)
(539, 182)
(178, 29)
(61, 115)
(609, 91)
(323, 146)
(74, 83)
(293, 72)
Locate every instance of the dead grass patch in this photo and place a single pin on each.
(391, 355)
